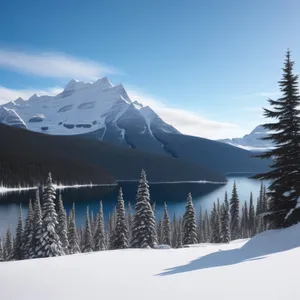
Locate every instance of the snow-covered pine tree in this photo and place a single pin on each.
(110, 228)
(28, 232)
(200, 234)
(251, 217)
(225, 230)
(180, 234)
(72, 233)
(8, 245)
(144, 228)
(120, 240)
(1, 251)
(242, 223)
(246, 221)
(216, 232)
(189, 223)
(87, 237)
(61, 227)
(174, 231)
(19, 249)
(37, 227)
(166, 240)
(100, 239)
(234, 214)
(206, 228)
(284, 190)
(50, 244)
(129, 219)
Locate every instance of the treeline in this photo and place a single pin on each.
(49, 231)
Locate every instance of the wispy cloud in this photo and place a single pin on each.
(57, 65)
(186, 121)
(7, 94)
(264, 94)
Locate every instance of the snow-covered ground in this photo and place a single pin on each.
(266, 267)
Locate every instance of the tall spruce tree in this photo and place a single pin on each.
(234, 214)
(129, 218)
(216, 230)
(19, 243)
(166, 240)
(189, 223)
(8, 245)
(37, 227)
(180, 234)
(1, 251)
(159, 230)
(200, 234)
(225, 228)
(28, 232)
(87, 236)
(174, 231)
(61, 227)
(284, 190)
(72, 233)
(206, 227)
(144, 227)
(100, 239)
(120, 240)
(50, 243)
(251, 217)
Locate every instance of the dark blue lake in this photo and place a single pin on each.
(174, 194)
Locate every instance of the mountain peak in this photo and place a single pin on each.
(74, 84)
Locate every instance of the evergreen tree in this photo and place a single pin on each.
(200, 233)
(61, 229)
(216, 233)
(28, 232)
(234, 212)
(100, 240)
(246, 221)
(111, 228)
(174, 231)
(50, 244)
(166, 240)
(1, 251)
(129, 219)
(37, 227)
(87, 237)
(72, 234)
(120, 240)
(284, 190)
(189, 223)
(144, 228)
(225, 229)
(180, 234)
(18, 253)
(251, 217)
(206, 227)
(8, 245)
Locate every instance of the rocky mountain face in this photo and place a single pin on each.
(99, 110)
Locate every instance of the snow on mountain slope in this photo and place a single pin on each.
(11, 118)
(100, 109)
(252, 141)
(266, 267)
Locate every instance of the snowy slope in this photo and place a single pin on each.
(266, 267)
(252, 141)
(80, 108)
(98, 110)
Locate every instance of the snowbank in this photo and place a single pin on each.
(265, 267)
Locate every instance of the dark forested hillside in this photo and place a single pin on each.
(26, 157)
(211, 154)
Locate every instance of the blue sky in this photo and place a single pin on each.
(205, 66)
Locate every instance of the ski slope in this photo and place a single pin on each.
(265, 267)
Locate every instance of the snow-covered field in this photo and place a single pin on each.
(266, 267)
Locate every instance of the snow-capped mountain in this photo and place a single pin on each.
(252, 141)
(99, 109)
